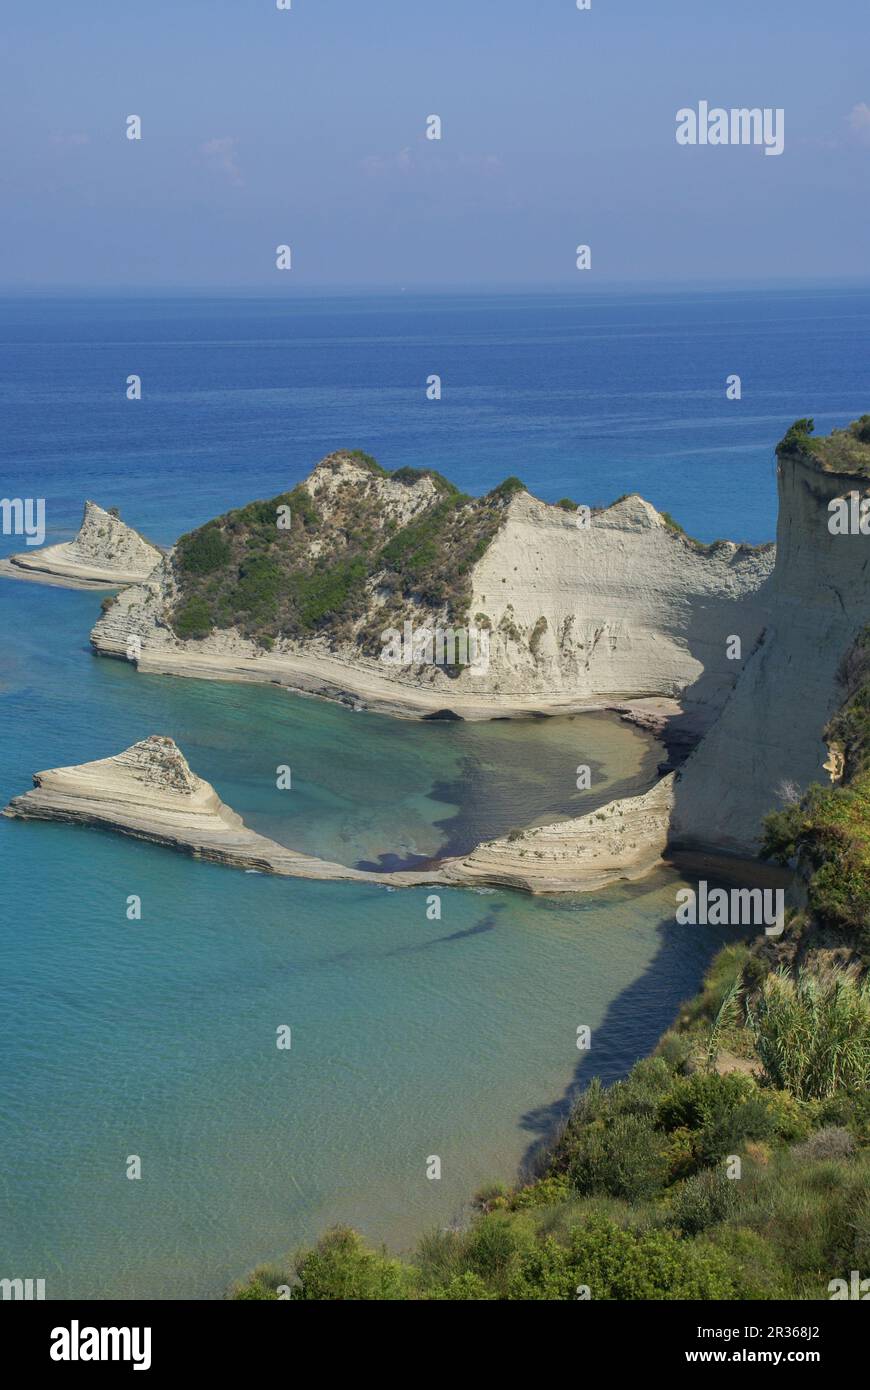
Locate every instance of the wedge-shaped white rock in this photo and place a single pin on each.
(623, 840)
(150, 792)
(105, 553)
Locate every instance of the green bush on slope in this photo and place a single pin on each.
(813, 1035)
(827, 832)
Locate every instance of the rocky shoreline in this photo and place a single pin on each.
(149, 792)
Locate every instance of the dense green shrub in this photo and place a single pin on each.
(341, 1267)
(204, 551)
(462, 1288)
(494, 1246)
(695, 1101)
(624, 1158)
(797, 436)
(507, 489)
(757, 1270)
(193, 619)
(730, 1128)
(546, 1192)
(326, 591)
(614, 1263)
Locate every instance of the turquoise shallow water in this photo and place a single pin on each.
(411, 1037)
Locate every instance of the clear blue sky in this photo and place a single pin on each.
(307, 127)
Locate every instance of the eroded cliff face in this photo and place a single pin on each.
(105, 552)
(769, 734)
(620, 609)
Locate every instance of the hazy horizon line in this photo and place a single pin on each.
(262, 290)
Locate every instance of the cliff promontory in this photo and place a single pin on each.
(576, 607)
(148, 791)
(580, 607)
(767, 745)
(106, 553)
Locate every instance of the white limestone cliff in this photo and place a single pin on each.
(624, 840)
(624, 608)
(769, 733)
(104, 554)
(621, 611)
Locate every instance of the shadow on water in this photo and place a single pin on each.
(477, 792)
(488, 923)
(642, 1012)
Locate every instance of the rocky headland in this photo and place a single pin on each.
(580, 609)
(105, 554)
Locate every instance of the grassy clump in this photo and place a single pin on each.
(508, 488)
(812, 1034)
(672, 524)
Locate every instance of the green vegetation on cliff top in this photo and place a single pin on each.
(842, 451)
(312, 571)
(343, 568)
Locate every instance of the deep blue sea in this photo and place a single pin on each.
(411, 1037)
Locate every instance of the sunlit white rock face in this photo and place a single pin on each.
(105, 552)
(621, 608)
(150, 792)
(770, 730)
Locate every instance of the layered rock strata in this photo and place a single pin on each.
(106, 553)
